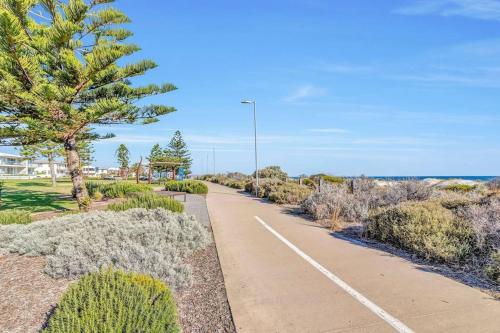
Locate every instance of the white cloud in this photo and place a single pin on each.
(304, 92)
(479, 9)
(327, 130)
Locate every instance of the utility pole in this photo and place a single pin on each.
(214, 159)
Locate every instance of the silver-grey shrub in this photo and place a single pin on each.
(154, 242)
(322, 205)
(354, 199)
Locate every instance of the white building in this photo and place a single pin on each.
(15, 166)
(42, 169)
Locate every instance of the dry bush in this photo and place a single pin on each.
(358, 196)
(494, 184)
(147, 241)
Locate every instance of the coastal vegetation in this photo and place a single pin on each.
(450, 222)
(98, 189)
(15, 216)
(188, 186)
(147, 200)
(136, 302)
(153, 242)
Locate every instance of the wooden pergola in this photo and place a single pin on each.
(166, 164)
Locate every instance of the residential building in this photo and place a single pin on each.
(89, 170)
(42, 168)
(15, 166)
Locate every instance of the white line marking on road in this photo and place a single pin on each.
(395, 323)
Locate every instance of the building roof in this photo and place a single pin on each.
(11, 155)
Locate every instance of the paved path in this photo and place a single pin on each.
(285, 274)
(196, 205)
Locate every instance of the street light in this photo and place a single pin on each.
(255, 141)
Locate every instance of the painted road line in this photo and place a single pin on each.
(395, 323)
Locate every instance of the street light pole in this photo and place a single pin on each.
(255, 143)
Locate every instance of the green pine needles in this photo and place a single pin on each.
(115, 301)
(61, 74)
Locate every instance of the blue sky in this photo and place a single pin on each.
(344, 87)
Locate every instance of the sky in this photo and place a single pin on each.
(381, 88)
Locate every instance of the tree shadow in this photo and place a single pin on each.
(35, 201)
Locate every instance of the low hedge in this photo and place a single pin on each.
(115, 301)
(188, 186)
(115, 189)
(424, 228)
(148, 201)
(15, 216)
(460, 188)
(333, 179)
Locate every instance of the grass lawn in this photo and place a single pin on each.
(38, 195)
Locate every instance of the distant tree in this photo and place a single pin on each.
(156, 155)
(49, 150)
(123, 156)
(86, 151)
(62, 72)
(177, 149)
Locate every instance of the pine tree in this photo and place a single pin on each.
(156, 155)
(48, 150)
(177, 149)
(60, 76)
(123, 156)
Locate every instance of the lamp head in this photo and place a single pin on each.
(246, 101)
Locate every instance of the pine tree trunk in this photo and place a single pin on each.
(73, 158)
(139, 167)
(50, 158)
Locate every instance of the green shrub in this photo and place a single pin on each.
(188, 186)
(148, 201)
(289, 193)
(115, 189)
(492, 270)
(115, 301)
(309, 182)
(15, 216)
(97, 195)
(460, 188)
(424, 228)
(333, 179)
(273, 172)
